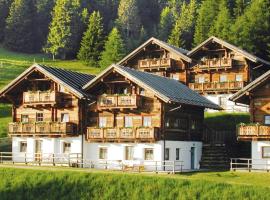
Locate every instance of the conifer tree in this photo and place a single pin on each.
(206, 16)
(182, 33)
(114, 49)
(221, 26)
(20, 32)
(165, 24)
(251, 31)
(92, 41)
(4, 9)
(65, 29)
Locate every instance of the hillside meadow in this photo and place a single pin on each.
(54, 183)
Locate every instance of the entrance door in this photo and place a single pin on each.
(192, 157)
(38, 150)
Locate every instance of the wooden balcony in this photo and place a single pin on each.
(217, 86)
(118, 101)
(40, 97)
(154, 63)
(42, 129)
(215, 63)
(253, 132)
(147, 134)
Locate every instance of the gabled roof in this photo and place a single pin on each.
(251, 57)
(74, 81)
(179, 51)
(168, 90)
(240, 95)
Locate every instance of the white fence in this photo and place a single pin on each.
(76, 160)
(249, 164)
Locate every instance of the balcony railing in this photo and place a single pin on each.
(119, 134)
(40, 97)
(42, 128)
(154, 63)
(215, 63)
(119, 101)
(217, 86)
(253, 131)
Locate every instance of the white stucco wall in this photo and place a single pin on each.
(229, 106)
(258, 162)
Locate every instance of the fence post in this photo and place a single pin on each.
(156, 167)
(174, 167)
(106, 162)
(231, 164)
(69, 159)
(53, 159)
(77, 161)
(25, 158)
(249, 165)
(1, 159)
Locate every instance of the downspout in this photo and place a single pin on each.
(163, 131)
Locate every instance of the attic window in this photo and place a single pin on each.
(267, 119)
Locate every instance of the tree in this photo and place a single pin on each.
(92, 41)
(221, 26)
(65, 29)
(20, 32)
(239, 7)
(165, 24)
(4, 9)
(206, 16)
(251, 31)
(182, 33)
(114, 49)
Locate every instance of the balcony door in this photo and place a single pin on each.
(38, 150)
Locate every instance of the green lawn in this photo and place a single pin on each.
(55, 183)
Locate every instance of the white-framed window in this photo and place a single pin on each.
(102, 122)
(267, 119)
(201, 79)
(64, 117)
(39, 117)
(25, 118)
(128, 121)
(147, 121)
(239, 77)
(23, 146)
(167, 154)
(103, 153)
(223, 78)
(142, 91)
(148, 154)
(129, 150)
(266, 152)
(177, 154)
(66, 147)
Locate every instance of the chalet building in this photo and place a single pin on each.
(138, 117)
(48, 109)
(215, 68)
(257, 96)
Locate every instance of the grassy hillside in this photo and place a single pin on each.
(64, 184)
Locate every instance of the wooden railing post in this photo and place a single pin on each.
(53, 159)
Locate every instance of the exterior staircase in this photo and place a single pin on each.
(215, 157)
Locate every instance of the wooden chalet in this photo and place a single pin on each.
(257, 96)
(46, 102)
(136, 106)
(160, 58)
(222, 68)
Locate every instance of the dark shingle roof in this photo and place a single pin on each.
(167, 89)
(74, 81)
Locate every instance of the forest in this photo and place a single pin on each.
(100, 32)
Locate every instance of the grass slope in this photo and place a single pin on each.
(64, 184)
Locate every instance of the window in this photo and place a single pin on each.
(129, 152)
(66, 147)
(175, 76)
(222, 101)
(148, 154)
(128, 121)
(102, 122)
(23, 146)
(39, 117)
(266, 152)
(64, 117)
(267, 119)
(103, 153)
(223, 78)
(167, 123)
(167, 154)
(147, 121)
(201, 79)
(177, 154)
(142, 91)
(25, 118)
(193, 124)
(239, 77)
